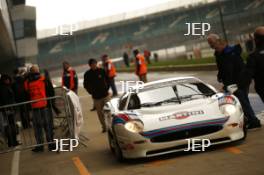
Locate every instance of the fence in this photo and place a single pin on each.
(20, 123)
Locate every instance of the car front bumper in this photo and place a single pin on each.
(134, 145)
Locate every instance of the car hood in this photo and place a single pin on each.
(200, 110)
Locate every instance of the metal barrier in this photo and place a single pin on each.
(21, 125)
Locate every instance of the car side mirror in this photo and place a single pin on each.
(107, 107)
(212, 87)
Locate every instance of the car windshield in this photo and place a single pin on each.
(175, 93)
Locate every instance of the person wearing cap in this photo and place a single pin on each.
(95, 83)
(110, 71)
(255, 63)
(141, 66)
(69, 77)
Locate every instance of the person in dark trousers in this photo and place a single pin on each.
(255, 63)
(50, 92)
(110, 71)
(156, 57)
(37, 88)
(7, 97)
(126, 59)
(69, 77)
(95, 83)
(230, 69)
(93, 109)
(21, 96)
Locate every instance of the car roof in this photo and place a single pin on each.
(164, 81)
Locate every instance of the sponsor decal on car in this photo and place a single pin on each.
(181, 115)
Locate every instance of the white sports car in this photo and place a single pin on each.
(162, 116)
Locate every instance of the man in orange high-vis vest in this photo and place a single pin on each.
(69, 77)
(110, 70)
(36, 87)
(141, 67)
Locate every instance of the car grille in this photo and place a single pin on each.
(185, 134)
(180, 147)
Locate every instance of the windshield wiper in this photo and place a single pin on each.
(174, 99)
(150, 104)
(192, 95)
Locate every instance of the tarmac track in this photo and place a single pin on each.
(241, 158)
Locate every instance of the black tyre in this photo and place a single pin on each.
(117, 150)
(111, 142)
(245, 128)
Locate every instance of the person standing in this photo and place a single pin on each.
(36, 86)
(50, 92)
(156, 57)
(69, 77)
(95, 83)
(230, 69)
(249, 44)
(141, 67)
(255, 63)
(7, 97)
(110, 71)
(147, 55)
(21, 96)
(126, 59)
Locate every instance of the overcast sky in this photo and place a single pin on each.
(51, 13)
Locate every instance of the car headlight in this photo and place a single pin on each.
(228, 109)
(134, 126)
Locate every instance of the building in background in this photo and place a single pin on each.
(18, 42)
(160, 30)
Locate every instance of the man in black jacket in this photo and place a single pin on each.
(255, 63)
(7, 97)
(95, 82)
(230, 68)
(21, 96)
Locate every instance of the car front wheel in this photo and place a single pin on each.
(245, 128)
(111, 142)
(115, 148)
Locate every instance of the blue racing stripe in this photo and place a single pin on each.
(157, 132)
(118, 120)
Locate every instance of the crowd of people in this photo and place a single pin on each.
(233, 73)
(98, 80)
(27, 89)
(28, 92)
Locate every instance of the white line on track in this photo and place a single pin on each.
(15, 163)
